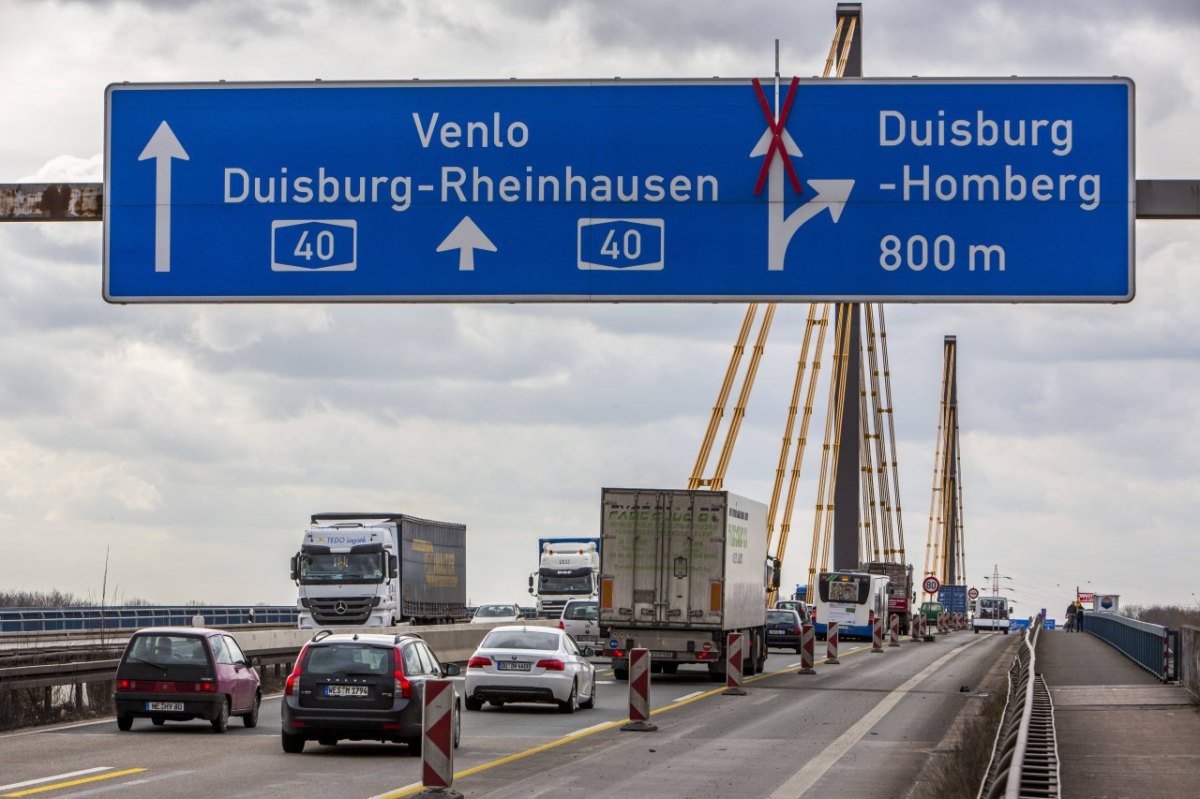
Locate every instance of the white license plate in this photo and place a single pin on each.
(170, 707)
(347, 690)
(662, 655)
(513, 665)
(775, 632)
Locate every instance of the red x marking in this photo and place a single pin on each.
(777, 136)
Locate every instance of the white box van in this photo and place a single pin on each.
(991, 613)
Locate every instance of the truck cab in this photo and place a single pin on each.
(567, 569)
(346, 573)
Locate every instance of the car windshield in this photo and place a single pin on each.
(520, 639)
(169, 650)
(776, 616)
(341, 568)
(344, 658)
(580, 611)
(488, 611)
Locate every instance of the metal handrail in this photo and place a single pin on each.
(1027, 698)
(132, 617)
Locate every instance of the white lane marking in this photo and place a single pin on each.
(588, 729)
(688, 696)
(807, 777)
(121, 786)
(55, 778)
(606, 682)
(794, 665)
(397, 791)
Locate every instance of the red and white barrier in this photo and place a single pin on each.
(831, 642)
(808, 637)
(876, 635)
(639, 692)
(734, 658)
(437, 738)
(893, 630)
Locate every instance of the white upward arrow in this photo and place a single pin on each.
(163, 146)
(831, 194)
(466, 238)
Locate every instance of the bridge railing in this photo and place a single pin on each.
(1151, 646)
(132, 617)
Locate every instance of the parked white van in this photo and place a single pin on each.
(991, 613)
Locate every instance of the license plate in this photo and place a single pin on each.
(347, 690)
(775, 632)
(513, 665)
(170, 707)
(662, 654)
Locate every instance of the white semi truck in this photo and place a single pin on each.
(380, 569)
(567, 569)
(678, 571)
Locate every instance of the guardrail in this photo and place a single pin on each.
(1026, 743)
(1151, 646)
(132, 617)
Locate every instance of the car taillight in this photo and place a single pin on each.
(402, 686)
(551, 664)
(618, 653)
(478, 662)
(289, 687)
(206, 687)
(560, 625)
(124, 685)
(796, 630)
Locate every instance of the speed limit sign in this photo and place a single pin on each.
(973, 593)
(931, 584)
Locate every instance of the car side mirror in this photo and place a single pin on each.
(588, 652)
(531, 583)
(256, 662)
(451, 670)
(393, 566)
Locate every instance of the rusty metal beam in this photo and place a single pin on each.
(51, 202)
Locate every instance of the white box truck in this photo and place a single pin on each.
(678, 571)
(380, 569)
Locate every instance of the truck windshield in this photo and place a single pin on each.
(566, 585)
(341, 568)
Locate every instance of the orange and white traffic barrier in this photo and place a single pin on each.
(831, 642)
(876, 635)
(734, 658)
(808, 635)
(437, 739)
(639, 692)
(893, 630)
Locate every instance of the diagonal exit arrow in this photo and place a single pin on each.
(466, 238)
(162, 147)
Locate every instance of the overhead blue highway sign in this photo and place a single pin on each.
(1015, 190)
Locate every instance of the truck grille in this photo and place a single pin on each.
(340, 611)
(553, 609)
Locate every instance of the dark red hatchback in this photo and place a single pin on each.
(183, 673)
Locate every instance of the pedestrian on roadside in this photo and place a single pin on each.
(1071, 617)
(1078, 616)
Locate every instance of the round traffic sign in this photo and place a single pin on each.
(931, 584)
(973, 593)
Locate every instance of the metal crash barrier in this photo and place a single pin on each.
(1025, 744)
(133, 617)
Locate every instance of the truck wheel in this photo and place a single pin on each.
(716, 676)
(621, 674)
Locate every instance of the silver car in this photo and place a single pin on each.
(581, 620)
(530, 664)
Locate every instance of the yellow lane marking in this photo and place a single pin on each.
(409, 790)
(71, 783)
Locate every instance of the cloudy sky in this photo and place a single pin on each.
(193, 441)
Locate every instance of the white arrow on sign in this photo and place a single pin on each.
(829, 194)
(466, 238)
(162, 147)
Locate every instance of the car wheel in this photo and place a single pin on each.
(157, 722)
(251, 718)
(124, 722)
(457, 725)
(572, 703)
(590, 702)
(474, 703)
(221, 722)
(621, 674)
(292, 744)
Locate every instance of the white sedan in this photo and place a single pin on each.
(530, 664)
(496, 614)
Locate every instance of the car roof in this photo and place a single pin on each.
(194, 631)
(582, 602)
(373, 639)
(506, 628)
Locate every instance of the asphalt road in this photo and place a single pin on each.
(864, 726)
